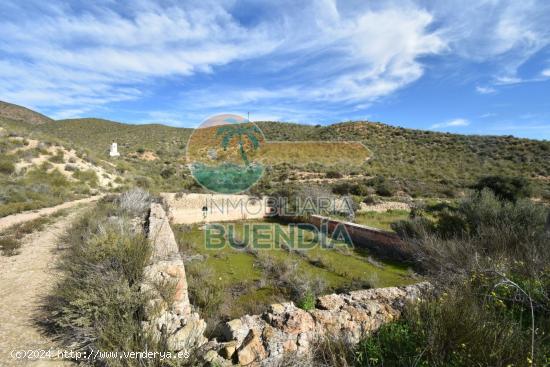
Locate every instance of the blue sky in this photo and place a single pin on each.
(475, 67)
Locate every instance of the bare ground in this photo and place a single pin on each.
(25, 280)
(14, 219)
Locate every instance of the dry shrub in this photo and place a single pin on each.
(135, 202)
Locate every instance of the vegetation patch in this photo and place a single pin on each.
(488, 258)
(228, 282)
(98, 304)
(382, 220)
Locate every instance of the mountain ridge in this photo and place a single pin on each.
(19, 113)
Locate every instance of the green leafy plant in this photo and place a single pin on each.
(307, 302)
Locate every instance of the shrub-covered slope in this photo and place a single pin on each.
(421, 163)
(19, 113)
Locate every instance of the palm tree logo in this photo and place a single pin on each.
(224, 154)
(243, 132)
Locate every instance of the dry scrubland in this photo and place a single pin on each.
(415, 162)
(482, 241)
(487, 258)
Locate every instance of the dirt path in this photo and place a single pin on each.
(25, 279)
(11, 220)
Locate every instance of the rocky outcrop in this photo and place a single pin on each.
(168, 314)
(263, 340)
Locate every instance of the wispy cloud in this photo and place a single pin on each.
(459, 122)
(301, 60)
(485, 90)
(102, 54)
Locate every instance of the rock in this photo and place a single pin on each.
(330, 302)
(289, 346)
(293, 322)
(277, 308)
(228, 349)
(251, 350)
(170, 321)
(190, 336)
(303, 342)
(231, 330)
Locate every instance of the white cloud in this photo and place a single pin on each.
(319, 51)
(100, 54)
(505, 33)
(69, 113)
(546, 73)
(485, 90)
(459, 122)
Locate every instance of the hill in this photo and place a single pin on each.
(422, 159)
(18, 113)
(414, 162)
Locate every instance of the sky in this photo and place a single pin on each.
(471, 67)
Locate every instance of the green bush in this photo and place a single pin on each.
(307, 302)
(205, 291)
(9, 245)
(167, 172)
(506, 188)
(334, 174)
(382, 186)
(88, 176)
(343, 188)
(489, 259)
(59, 157)
(395, 344)
(457, 329)
(7, 167)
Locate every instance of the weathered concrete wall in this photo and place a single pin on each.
(187, 208)
(383, 243)
(171, 319)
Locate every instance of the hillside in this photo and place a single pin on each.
(98, 134)
(416, 162)
(37, 172)
(430, 157)
(19, 113)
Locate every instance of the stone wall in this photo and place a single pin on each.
(257, 340)
(169, 318)
(264, 340)
(382, 243)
